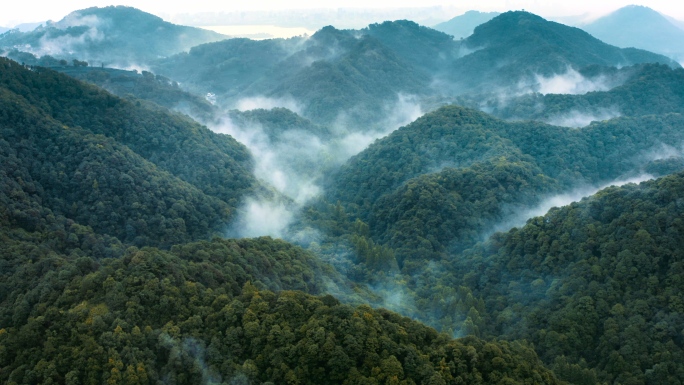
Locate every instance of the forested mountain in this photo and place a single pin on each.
(517, 46)
(129, 84)
(330, 73)
(423, 47)
(114, 35)
(73, 135)
(277, 123)
(463, 25)
(594, 285)
(439, 184)
(639, 90)
(580, 283)
(639, 27)
(225, 67)
(146, 86)
(199, 314)
(351, 75)
(112, 208)
(87, 176)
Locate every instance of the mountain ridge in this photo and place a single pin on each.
(118, 35)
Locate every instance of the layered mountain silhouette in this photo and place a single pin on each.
(639, 27)
(644, 89)
(114, 35)
(360, 72)
(463, 25)
(516, 47)
(114, 265)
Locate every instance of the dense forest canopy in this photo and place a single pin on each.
(437, 184)
(116, 207)
(141, 174)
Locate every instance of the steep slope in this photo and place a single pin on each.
(332, 73)
(357, 84)
(422, 47)
(115, 35)
(596, 284)
(348, 76)
(646, 90)
(463, 26)
(110, 160)
(227, 67)
(440, 183)
(98, 182)
(639, 27)
(277, 123)
(516, 47)
(216, 164)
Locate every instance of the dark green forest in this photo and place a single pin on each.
(434, 187)
(422, 259)
(597, 283)
(73, 135)
(101, 281)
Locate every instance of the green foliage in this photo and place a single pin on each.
(138, 174)
(97, 182)
(595, 286)
(145, 86)
(333, 74)
(225, 67)
(416, 44)
(436, 186)
(155, 315)
(277, 121)
(357, 83)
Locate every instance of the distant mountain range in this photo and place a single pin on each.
(515, 47)
(640, 27)
(114, 35)
(463, 26)
(361, 72)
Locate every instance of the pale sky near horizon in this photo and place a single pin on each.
(17, 12)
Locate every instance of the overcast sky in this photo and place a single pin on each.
(14, 12)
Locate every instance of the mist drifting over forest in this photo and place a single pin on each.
(418, 194)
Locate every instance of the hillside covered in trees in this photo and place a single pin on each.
(355, 74)
(428, 254)
(438, 185)
(596, 284)
(106, 276)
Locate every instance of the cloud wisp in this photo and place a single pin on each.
(294, 161)
(520, 216)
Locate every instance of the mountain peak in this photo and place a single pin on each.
(639, 27)
(464, 25)
(117, 35)
(115, 13)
